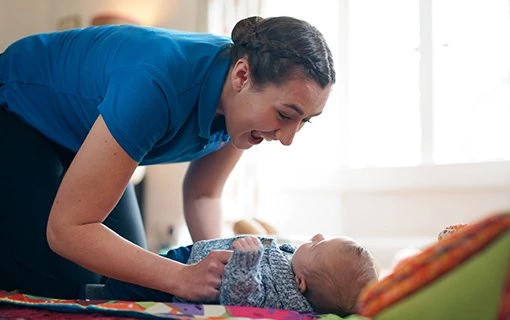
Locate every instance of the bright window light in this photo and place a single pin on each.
(471, 80)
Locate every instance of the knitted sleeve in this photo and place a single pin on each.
(242, 280)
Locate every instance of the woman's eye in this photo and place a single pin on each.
(284, 116)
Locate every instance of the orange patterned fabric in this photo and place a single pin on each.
(413, 273)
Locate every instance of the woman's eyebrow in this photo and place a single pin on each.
(295, 108)
(298, 110)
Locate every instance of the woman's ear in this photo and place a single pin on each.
(240, 74)
(300, 282)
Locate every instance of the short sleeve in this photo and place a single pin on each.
(135, 109)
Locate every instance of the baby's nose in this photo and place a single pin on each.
(318, 237)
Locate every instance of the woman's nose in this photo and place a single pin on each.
(286, 135)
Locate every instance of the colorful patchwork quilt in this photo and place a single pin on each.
(157, 310)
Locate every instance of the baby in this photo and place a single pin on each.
(324, 276)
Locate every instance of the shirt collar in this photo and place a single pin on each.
(211, 91)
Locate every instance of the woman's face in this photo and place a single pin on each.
(271, 113)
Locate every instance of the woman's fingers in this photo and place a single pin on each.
(216, 266)
(204, 277)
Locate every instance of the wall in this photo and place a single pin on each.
(185, 15)
(390, 209)
(22, 17)
(163, 211)
(385, 221)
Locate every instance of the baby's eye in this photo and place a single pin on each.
(284, 116)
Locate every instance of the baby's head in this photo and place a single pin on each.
(331, 273)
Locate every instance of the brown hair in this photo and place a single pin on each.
(277, 47)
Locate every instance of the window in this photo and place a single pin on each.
(471, 84)
(383, 83)
(425, 82)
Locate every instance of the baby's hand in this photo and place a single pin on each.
(247, 243)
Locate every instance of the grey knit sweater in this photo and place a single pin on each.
(262, 278)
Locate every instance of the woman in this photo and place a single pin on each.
(81, 109)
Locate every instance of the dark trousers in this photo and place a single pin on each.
(31, 170)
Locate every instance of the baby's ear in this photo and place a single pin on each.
(301, 283)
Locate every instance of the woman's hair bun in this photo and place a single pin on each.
(244, 27)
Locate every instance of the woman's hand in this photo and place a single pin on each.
(202, 281)
(247, 243)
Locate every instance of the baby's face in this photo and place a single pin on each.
(315, 252)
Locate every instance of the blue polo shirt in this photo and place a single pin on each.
(156, 89)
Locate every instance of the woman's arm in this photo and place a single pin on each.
(90, 189)
(202, 188)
